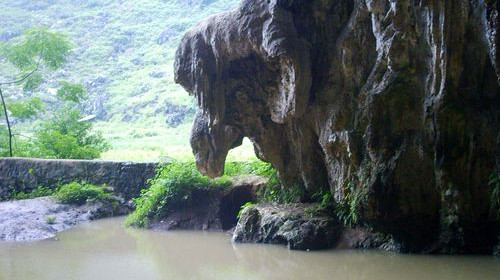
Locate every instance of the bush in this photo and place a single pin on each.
(38, 192)
(65, 136)
(172, 186)
(80, 193)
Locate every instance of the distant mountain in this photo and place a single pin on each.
(123, 53)
(124, 49)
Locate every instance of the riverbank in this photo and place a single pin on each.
(44, 217)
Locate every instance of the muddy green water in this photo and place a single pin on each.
(106, 250)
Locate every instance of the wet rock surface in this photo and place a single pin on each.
(41, 218)
(392, 105)
(291, 225)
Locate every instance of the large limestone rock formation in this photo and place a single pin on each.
(392, 105)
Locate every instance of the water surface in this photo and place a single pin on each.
(106, 250)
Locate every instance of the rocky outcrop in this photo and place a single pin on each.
(290, 225)
(302, 226)
(25, 174)
(392, 105)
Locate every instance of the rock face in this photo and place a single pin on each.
(290, 225)
(392, 105)
(24, 174)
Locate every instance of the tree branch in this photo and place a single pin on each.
(24, 77)
(8, 122)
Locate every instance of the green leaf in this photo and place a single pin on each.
(19, 57)
(63, 136)
(37, 44)
(52, 48)
(72, 92)
(27, 108)
(32, 82)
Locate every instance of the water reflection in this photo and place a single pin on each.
(105, 250)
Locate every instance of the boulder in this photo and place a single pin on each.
(293, 225)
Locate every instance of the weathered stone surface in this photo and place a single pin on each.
(25, 174)
(290, 225)
(213, 209)
(41, 218)
(393, 102)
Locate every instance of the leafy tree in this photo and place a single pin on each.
(37, 51)
(66, 136)
(75, 93)
(63, 133)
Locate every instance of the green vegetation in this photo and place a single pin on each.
(326, 203)
(51, 220)
(80, 193)
(123, 52)
(38, 51)
(38, 192)
(274, 192)
(245, 206)
(254, 167)
(65, 136)
(348, 210)
(173, 184)
(61, 134)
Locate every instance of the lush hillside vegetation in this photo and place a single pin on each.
(123, 53)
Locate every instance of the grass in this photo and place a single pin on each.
(156, 142)
(50, 220)
(38, 192)
(244, 208)
(80, 193)
(175, 183)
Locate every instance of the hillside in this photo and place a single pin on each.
(123, 53)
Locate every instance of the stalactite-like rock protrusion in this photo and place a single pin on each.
(392, 105)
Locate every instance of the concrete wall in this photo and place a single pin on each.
(26, 174)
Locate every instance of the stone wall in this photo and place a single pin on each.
(26, 174)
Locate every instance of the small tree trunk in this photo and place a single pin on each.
(8, 122)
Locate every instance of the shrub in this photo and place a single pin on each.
(38, 192)
(80, 193)
(348, 210)
(66, 136)
(325, 205)
(173, 185)
(274, 192)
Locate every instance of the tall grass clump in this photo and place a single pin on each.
(173, 185)
(38, 192)
(79, 193)
(254, 167)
